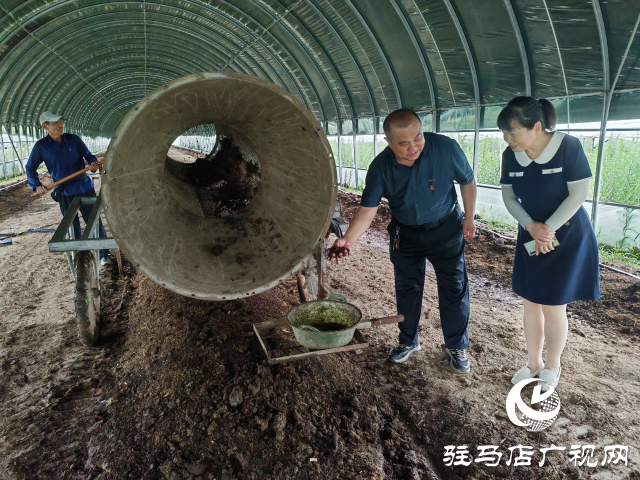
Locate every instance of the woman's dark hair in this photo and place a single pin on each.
(526, 112)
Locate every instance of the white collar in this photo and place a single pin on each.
(547, 154)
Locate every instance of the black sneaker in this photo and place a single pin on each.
(458, 360)
(402, 352)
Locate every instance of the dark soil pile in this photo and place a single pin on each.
(224, 181)
(180, 388)
(194, 394)
(12, 198)
(350, 203)
(337, 252)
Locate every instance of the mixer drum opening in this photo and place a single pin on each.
(225, 180)
(157, 218)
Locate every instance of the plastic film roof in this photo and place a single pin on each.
(94, 60)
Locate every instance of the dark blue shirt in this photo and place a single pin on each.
(62, 159)
(424, 192)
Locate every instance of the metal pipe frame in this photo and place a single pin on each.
(375, 137)
(564, 76)
(16, 152)
(383, 56)
(20, 148)
(423, 61)
(191, 53)
(524, 55)
(321, 69)
(355, 141)
(4, 160)
(93, 56)
(324, 76)
(302, 70)
(339, 124)
(352, 57)
(251, 33)
(603, 130)
(96, 56)
(31, 34)
(604, 47)
(476, 83)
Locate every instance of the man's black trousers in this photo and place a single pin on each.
(443, 245)
(85, 210)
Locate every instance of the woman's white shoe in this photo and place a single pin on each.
(549, 378)
(524, 373)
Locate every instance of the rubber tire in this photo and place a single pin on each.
(86, 298)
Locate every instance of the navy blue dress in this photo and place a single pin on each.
(570, 272)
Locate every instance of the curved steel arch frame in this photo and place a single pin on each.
(270, 34)
(251, 34)
(381, 52)
(25, 73)
(65, 100)
(31, 35)
(428, 73)
(524, 54)
(350, 54)
(94, 58)
(302, 70)
(476, 83)
(338, 74)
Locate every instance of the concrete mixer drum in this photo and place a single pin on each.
(238, 221)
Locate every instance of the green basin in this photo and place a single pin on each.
(323, 324)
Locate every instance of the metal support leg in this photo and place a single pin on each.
(355, 161)
(598, 178)
(4, 160)
(16, 152)
(476, 143)
(375, 137)
(339, 157)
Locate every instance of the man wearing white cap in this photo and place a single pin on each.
(64, 154)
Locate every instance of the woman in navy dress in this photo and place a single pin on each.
(545, 179)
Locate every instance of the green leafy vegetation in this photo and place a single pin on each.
(21, 176)
(620, 169)
(322, 314)
(624, 256)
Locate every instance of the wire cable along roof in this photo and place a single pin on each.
(343, 59)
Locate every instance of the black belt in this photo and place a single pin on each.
(426, 226)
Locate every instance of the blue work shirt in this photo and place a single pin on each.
(424, 192)
(62, 159)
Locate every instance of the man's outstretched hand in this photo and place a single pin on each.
(340, 249)
(468, 228)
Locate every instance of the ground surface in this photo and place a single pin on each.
(179, 388)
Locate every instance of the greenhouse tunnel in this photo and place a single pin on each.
(349, 62)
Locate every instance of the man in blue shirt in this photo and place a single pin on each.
(416, 174)
(64, 154)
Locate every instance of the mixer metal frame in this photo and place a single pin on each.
(86, 270)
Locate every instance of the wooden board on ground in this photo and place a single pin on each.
(280, 346)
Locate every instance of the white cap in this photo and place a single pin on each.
(49, 117)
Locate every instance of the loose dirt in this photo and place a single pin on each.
(179, 388)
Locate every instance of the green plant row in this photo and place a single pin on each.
(620, 175)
